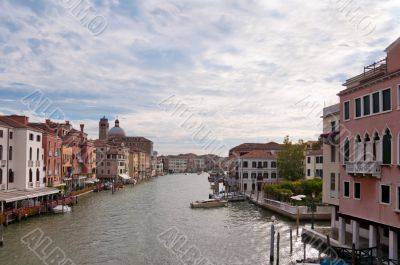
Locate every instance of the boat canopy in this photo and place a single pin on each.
(124, 176)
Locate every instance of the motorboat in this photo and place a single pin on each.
(236, 197)
(62, 209)
(208, 203)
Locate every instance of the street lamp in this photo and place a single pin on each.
(312, 210)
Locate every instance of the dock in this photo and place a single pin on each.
(303, 213)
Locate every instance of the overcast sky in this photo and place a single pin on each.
(236, 71)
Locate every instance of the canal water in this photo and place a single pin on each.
(150, 223)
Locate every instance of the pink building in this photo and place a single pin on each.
(369, 197)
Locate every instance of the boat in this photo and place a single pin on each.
(62, 209)
(208, 203)
(236, 197)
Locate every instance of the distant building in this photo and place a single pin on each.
(257, 168)
(313, 160)
(177, 164)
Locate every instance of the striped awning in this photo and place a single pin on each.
(19, 195)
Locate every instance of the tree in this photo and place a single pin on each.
(291, 160)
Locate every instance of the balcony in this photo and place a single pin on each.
(38, 163)
(37, 184)
(2, 163)
(30, 185)
(372, 168)
(30, 163)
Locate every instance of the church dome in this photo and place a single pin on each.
(116, 131)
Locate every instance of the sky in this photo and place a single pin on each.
(193, 76)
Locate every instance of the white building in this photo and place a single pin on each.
(257, 168)
(313, 160)
(21, 154)
(177, 164)
(331, 164)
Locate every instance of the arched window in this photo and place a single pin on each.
(387, 148)
(30, 153)
(10, 176)
(358, 149)
(376, 147)
(346, 150)
(1, 152)
(37, 154)
(10, 153)
(37, 175)
(30, 175)
(367, 148)
(1, 176)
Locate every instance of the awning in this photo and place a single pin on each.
(125, 176)
(18, 195)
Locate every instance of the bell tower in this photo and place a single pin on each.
(103, 128)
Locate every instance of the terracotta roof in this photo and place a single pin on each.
(314, 152)
(260, 154)
(15, 124)
(258, 146)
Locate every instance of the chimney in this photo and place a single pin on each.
(67, 122)
(82, 126)
(47, 121)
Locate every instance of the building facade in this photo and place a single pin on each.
(257, 168)
(331, 164)
(369, 197)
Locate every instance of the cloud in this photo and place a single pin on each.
(241, 66)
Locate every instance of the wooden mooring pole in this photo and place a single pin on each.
(278, 237)
(291, 241)
(272, 243)
(297, 221)
(1, 235)
(305, 254)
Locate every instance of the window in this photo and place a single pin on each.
(376, 103)
(273, 164)
(1, 133)
(333, 153)
(333, 126)
(265, 164)
(37, 154)
(254, 164)
(31, 137)
(308, 172)
(37, 175)
(347, 110)
(1, 152)
(30, 153)
(333, 182)
(398, 198)
(245, 186)
(273, 175)
(308, 160)
(346, 189)
(366, 105)
(386, 100)
(1, 176)
(253, 187)
(387, 148)
(265, 175)
(245, 175)
(10, 176)
(253, 175)
(358, 107)
(11, 135)
(30, 175)
(10, 153)
(245, 164)
(346, 151)
(385, 194)
(357, 190)
(37, 138)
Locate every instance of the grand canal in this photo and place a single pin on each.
(136, 225)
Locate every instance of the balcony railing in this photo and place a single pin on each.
(372, 168)
(30, 163)
(37, 184)
(30, 185)
(38, 163)
(2, 163)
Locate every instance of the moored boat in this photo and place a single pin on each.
(208, 204)
(62, 209)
